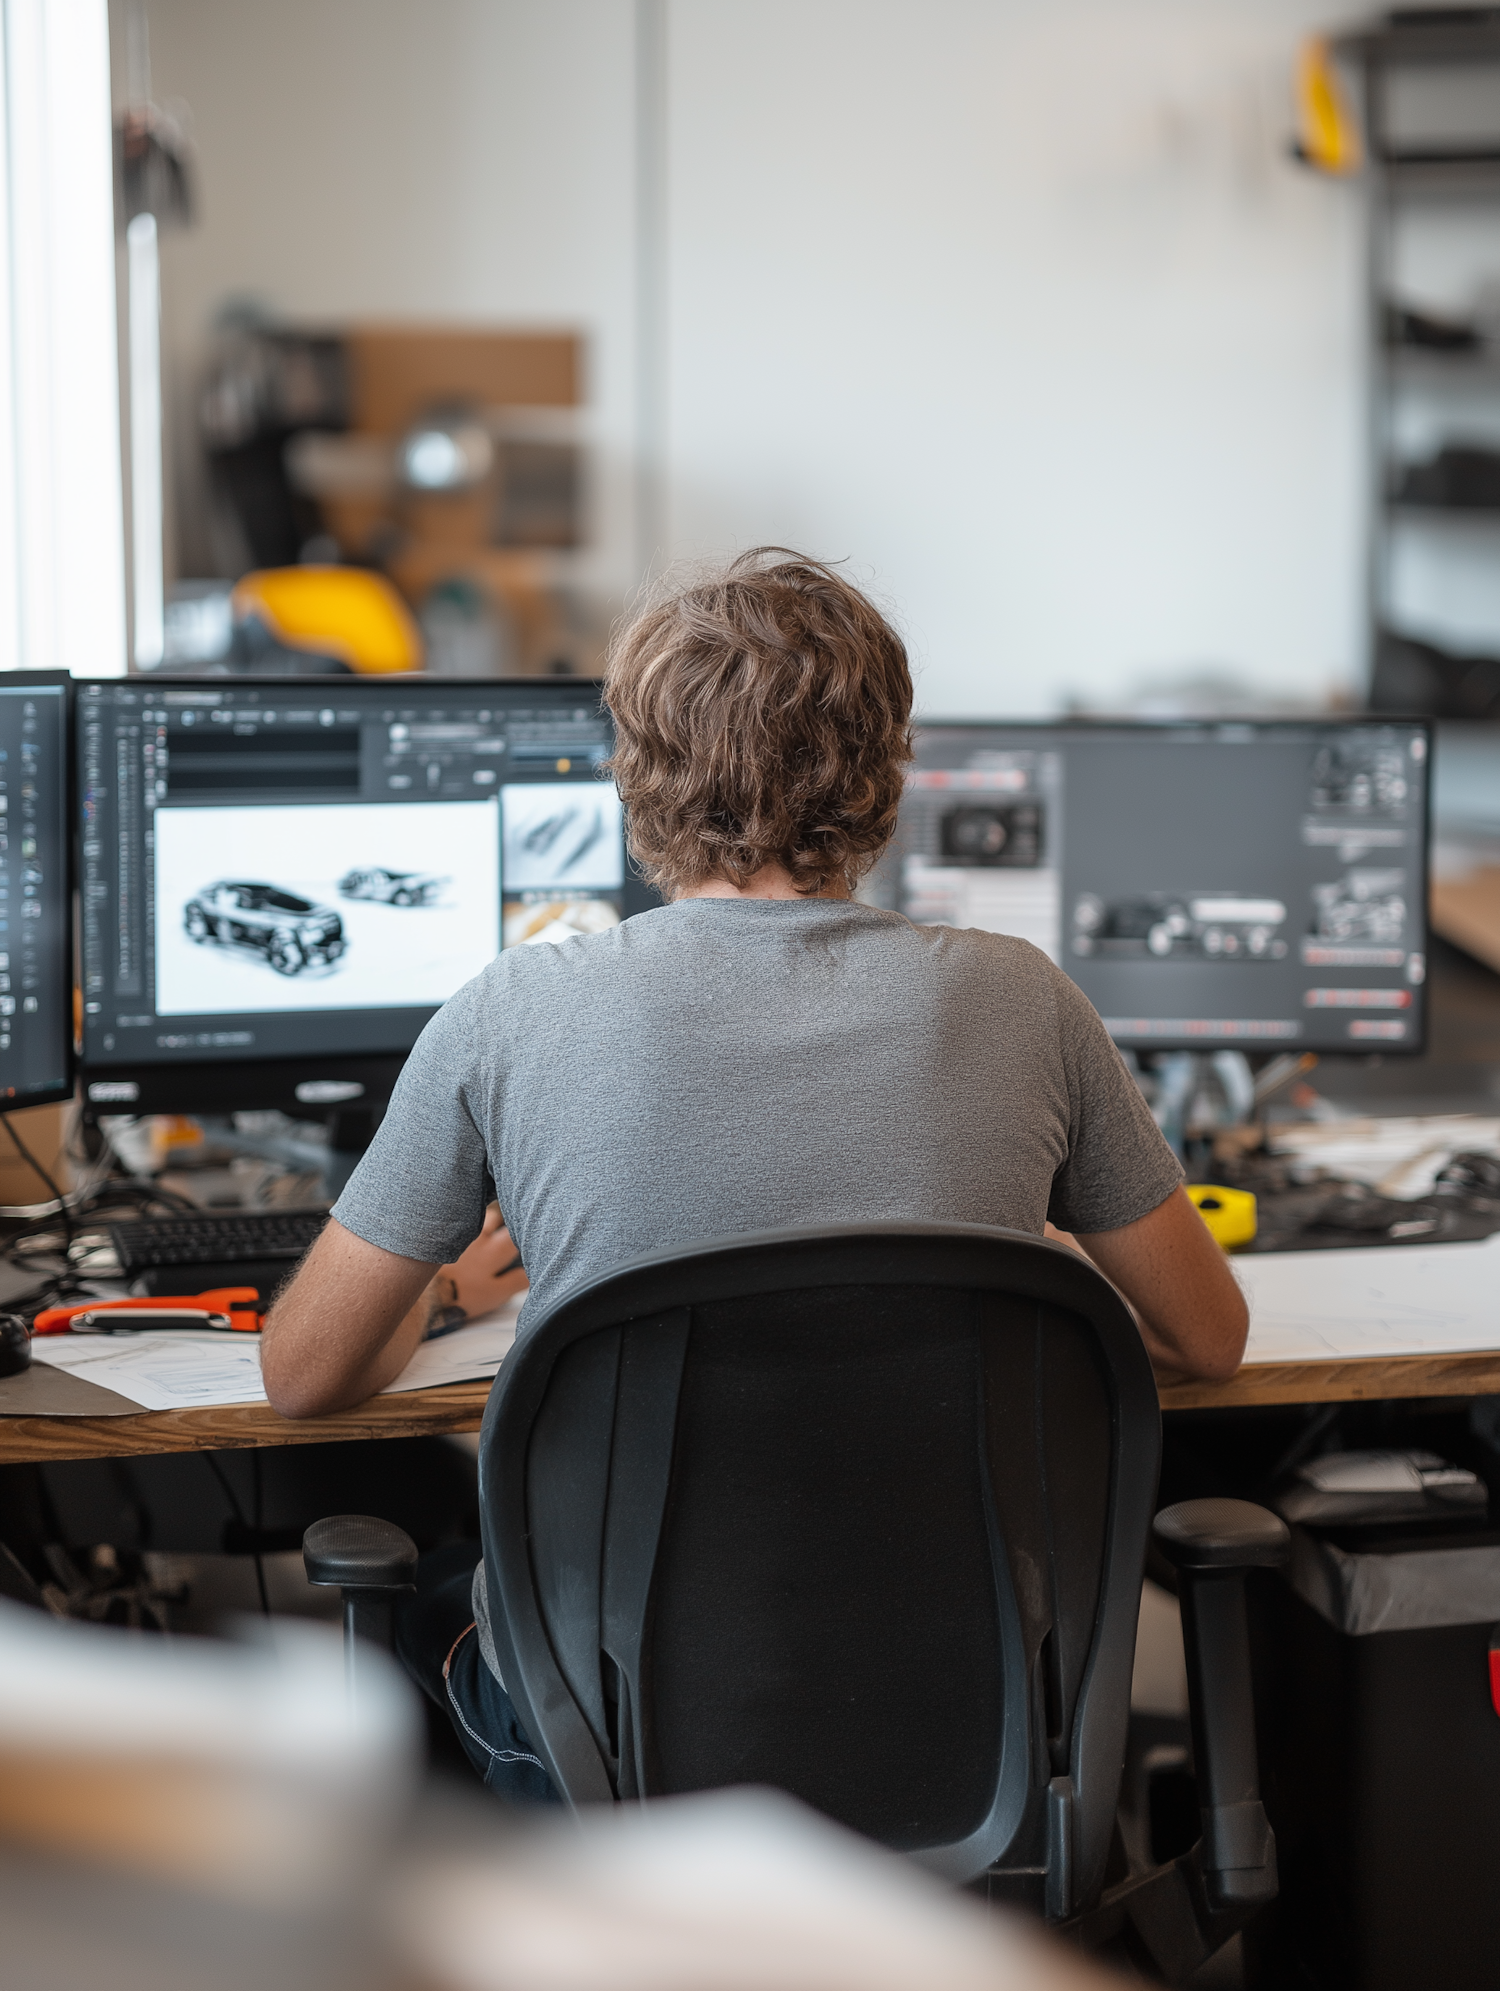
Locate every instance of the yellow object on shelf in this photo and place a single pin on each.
(344, 612)
(1229, 1213)
(1328, 132)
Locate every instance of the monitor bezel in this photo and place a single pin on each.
(216, 1084)
(1289, 722)
(66, 1087)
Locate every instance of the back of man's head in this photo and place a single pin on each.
(763, 718)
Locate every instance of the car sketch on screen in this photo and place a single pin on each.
(392, 888)
(307, 854)
(1363, 906)
(1217, 926)
(292, 933)
(1360, 778)
(562, 836)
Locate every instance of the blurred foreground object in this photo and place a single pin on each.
(192, 1814)
(738, 1891)
(201, 1816)
(343, 613)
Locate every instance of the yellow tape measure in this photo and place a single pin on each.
(1229, 1213)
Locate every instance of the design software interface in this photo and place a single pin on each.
(35, 913)
(1256, 886)
(304, 869)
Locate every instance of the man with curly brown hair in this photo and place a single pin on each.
(762, 1050)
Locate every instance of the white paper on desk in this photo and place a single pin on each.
(1400, 1157)
(1411, 1299)
(179, 1371)
(467, 1355)
(168, 1371)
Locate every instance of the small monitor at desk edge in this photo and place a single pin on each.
(36, 907)
(1258, 886)
(281, 881)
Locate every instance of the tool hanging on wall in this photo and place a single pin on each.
(1328, 134)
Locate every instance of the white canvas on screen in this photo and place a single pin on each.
(562, 835)
(394, 956)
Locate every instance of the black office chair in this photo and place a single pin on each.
(862, 1514)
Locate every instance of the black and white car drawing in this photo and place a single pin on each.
(392, 888)
(291, 932)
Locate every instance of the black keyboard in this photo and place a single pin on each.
(217, 1237)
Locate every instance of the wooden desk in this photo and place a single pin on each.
(460, 1406)
(228, 1427)
(1346, 1381)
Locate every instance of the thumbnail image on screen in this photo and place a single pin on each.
(1251, 885)
(36, 979)
(564, 855)
(289, 869)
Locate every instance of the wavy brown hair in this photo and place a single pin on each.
(762, 716)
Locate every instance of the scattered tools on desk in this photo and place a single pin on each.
(1229, 1213)
(1301, 1205)
(234, 1307)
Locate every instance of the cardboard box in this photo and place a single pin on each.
(44, 1130)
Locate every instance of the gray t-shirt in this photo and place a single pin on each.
(722, 1066)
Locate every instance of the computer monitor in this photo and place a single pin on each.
(282, 880)
(36, 905)
(1258, 886)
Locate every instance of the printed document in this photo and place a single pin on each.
(173, 1370)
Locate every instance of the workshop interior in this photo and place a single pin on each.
(364, 368)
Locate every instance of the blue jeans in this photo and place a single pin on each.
(438, 1644)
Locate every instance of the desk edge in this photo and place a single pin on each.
(1352, 1379)
(238, 1426)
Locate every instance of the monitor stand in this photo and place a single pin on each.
(350, 1131)
(1195, 1089)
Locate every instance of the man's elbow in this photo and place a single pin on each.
(293, 1394)
(1217, 1359)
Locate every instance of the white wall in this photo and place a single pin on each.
(1017, 304)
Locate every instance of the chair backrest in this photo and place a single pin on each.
(860, 1513)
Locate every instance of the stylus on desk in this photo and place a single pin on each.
(143, 1320)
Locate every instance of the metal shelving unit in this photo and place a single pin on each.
(1403, 176)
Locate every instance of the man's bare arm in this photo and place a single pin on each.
(345, 1327)
(1192, 1313)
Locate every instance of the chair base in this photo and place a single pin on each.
(1164, 1919)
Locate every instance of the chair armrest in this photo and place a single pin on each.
(1207, 1535)
(369, 1561)
(357, 1552)
(1212, 1543)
